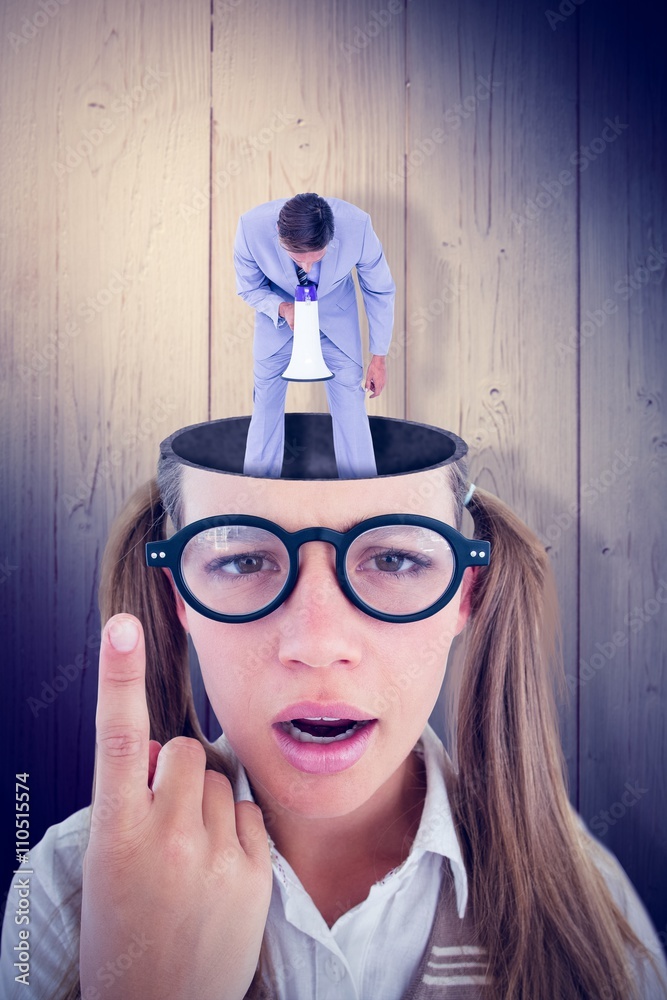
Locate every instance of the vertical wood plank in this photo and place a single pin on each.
(29, 308)
(105, 334)
(491, 276)
(304, 101)
(621, 345)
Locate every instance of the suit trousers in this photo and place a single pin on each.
(353, 445)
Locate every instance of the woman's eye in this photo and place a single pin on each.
(248, 564)
(390, 561)
(245, 564)
(393, 561)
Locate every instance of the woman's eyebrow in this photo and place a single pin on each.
(348, 525)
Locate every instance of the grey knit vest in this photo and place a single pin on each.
(453, 966)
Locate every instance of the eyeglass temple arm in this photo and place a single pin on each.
(478, 554)
(157, 554)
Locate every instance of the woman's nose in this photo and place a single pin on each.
(319, 627)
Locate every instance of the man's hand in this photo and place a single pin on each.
(286, 310)
(376, 376)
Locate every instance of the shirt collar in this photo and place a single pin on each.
(436, 831)
(314, 273)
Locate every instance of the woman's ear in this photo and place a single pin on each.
(180, 603)
(467, 588)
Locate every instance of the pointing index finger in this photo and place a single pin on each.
(122, 724)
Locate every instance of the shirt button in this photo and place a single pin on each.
(334, 970)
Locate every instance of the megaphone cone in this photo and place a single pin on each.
(307, 363)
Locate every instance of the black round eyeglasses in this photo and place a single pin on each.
(395, 567)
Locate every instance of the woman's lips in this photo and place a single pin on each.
(324, 758)
(321, 709)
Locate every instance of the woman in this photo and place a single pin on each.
(322, 613)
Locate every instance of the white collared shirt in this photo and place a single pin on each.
(353, 959)
(314, 272)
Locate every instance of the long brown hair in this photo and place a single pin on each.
(540, 905)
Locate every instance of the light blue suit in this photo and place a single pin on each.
(265, 277)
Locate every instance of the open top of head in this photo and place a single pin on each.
(401, 446)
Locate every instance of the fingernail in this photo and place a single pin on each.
(123, 635)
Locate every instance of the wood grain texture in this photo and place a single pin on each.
(624, 445)
(30, 398)
(304, 100)
(105, 332)
(491, 282)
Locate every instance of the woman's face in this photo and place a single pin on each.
(317, 646)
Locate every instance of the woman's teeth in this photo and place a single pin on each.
(303, 737)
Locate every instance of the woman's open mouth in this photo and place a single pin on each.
(323, 745)
(322, 730)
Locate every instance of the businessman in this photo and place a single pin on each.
(310, 239)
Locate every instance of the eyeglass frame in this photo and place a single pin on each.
(168, 553)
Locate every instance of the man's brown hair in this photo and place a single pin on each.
(305, 223)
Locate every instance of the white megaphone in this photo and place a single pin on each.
(306, 363)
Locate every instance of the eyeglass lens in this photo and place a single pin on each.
(394, 569)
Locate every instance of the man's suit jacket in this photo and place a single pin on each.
(266, 276)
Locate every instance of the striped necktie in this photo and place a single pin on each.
(302, 276)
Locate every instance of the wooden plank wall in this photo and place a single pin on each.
(104, 336)
(622, 357)
(489, 290)
(333, 124)
(135, 135)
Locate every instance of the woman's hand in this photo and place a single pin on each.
(176, 877)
